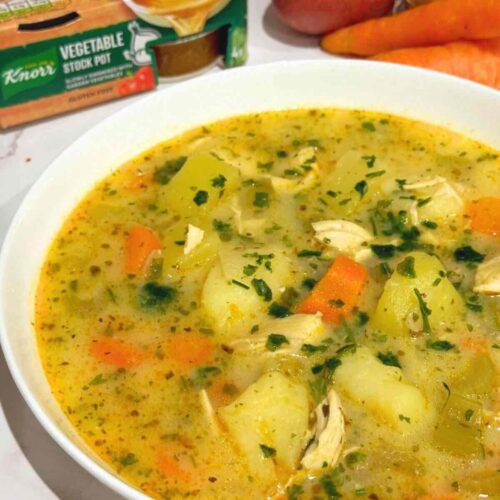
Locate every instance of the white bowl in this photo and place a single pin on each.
(465, 107)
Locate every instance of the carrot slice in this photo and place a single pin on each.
(338, 292)
(485, 215)
(476, 61)
(140, 181)
(140, 244)
(116, 353)
(431, 24)
(173, 468)
(189, 350)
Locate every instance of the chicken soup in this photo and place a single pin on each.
(291, 305)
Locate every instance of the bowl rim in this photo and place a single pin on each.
(222, 78)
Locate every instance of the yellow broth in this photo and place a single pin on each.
(171, 362)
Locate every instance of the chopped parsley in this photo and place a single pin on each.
(440, 345)
(404, 419)
(262, 289)
(265, 166)
(163, 174)
(249, 269)
(474, 307)
(389, 359)
(468, 254)
(370, 160)
(267, 451)
(384, 251)
(202, 377)
(153, 296)
(309, 283)
(219, 181)
(368, 126)
(309, 253)
(275, 341)
(310, 349)
(128, 459)
(378, 173)
(201, 197)
(424, 311)
(468, 414)
(223, 229)
(261, 199)
(429, 224)
(407, 267)
(361, 187)
(97, 380)
(240, 284)
(362, 318)
(278, 310)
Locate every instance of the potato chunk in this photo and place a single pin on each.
(229, 296)
(382, 390)
(199, 186)
(274, 412)
(398, 306)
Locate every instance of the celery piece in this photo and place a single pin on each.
(459, 428)
(477, 379)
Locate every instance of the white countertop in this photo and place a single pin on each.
(32, 466)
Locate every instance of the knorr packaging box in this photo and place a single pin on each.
(61, 55)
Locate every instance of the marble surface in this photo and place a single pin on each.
(32, 466)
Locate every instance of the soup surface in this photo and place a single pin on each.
(296, 305)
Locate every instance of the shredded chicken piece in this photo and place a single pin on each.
(326, 445)
(426, 183)
(345, 236)
(193, 238)
(441, 192)
(487, 279)
(306, 156)
(209, 412)
(245, 226)
(298, 329)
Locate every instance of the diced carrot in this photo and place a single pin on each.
(435, 23)
(485, 215)
(175, 467)
(189, 350)
(140, 181)
(338, 291)
(140, 244)
(477, 345)
(116, 353)
(476, 61)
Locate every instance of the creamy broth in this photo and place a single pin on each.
(298, 304)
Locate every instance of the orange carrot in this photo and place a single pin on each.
(140, 181)
(476, 61)
(141, 243)
(338, 291)
(189, 350)
(435, 23)
(485, 215)
(175, 469)
(116, 353)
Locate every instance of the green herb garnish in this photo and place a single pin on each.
(201, 197)
(407, 267)
(262, 289)
(261, 199)
(468, 254)
(275, 341)
(267, 451)
(389, 359)
(424, 311)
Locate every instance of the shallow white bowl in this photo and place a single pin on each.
(459, 105)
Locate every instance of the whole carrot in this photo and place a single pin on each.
(435, 23)
(476, 61)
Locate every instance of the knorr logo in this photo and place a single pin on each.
(30, 72)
